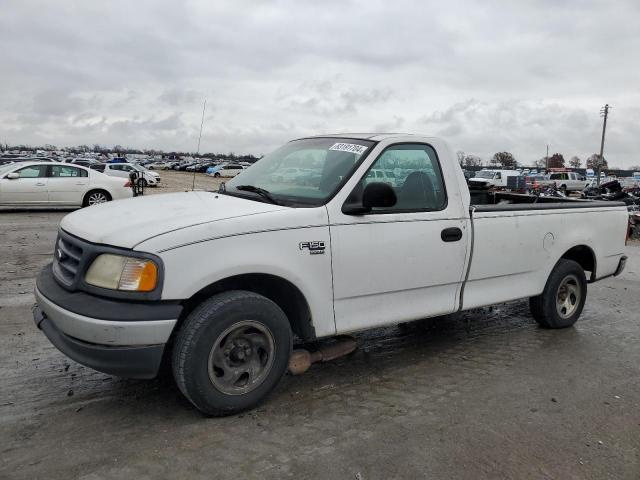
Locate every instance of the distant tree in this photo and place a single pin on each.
(556, 161)
(592, 161)
(575, 162)
(505, 159)
(635, 168)
(472, 161)
(541, 163)
(461, 156)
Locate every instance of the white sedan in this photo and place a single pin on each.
(58, 184)
(124, 169)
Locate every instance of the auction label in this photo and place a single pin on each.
(349, 147)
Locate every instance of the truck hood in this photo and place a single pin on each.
(127, 223)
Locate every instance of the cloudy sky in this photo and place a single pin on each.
(488, 76)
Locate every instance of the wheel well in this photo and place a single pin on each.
(86, 195)
(585, 257)
(282, 292)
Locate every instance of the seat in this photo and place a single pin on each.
(416, 192)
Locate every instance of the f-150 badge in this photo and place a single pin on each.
(315, 248)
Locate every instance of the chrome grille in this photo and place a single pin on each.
(66, 260)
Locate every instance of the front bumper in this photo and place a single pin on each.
(130, 362)
(118, 337)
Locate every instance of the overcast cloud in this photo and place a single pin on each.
(488, 76)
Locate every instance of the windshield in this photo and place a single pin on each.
(139, 168)
(485, 174)
(5, 168)
(303, 172)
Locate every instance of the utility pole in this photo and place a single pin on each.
(604, 112)
(546, 159)
(193, 184)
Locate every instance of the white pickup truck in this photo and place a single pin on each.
(217, 284)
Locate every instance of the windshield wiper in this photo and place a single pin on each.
(260, 191)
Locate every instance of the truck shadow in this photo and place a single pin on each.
(382, 352)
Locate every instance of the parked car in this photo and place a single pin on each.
(381, 175)
(311, 262)
(569, 181)
(200, 167)
(162, 165)
(286, 174)
(184, 166)
(225, 170)
(58, 184)
(148, 178)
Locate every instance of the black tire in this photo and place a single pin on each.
(567, 280)
(216, 174)
(202, 338)
(89, 196)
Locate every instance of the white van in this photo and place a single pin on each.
(496, 178)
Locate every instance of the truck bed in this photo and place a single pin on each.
(487, 201)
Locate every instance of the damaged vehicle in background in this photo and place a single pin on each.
(130, 288)
(46, 184)
(123, 170)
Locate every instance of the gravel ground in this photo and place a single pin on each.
(486, 394)
(171, 181)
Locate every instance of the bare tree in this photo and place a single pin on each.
(461, 156)
(575, 162)
(556, 161)
(592, 161)
(541, 163)
(472, 161)
(505, 159)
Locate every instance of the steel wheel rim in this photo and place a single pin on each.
(568, 296)
(241, 357)
(96, 198)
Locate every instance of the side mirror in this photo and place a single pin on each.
(13, 175)
(375, 195)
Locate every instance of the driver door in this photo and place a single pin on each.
(403, 262)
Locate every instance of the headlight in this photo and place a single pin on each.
(123, 273)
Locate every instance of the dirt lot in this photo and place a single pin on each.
(485, 395)
(171, 181)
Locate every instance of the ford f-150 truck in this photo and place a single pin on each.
(218, 284)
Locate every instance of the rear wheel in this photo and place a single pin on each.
(232, 350)
(95, 197)
(563, 297)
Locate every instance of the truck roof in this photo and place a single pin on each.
(367, 136)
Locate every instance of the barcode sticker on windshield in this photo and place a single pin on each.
(349, 147)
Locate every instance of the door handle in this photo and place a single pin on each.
(40, 184)
(452, 234)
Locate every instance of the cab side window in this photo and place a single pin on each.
(65, 171)
(413, 171)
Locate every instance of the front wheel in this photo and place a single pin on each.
(562, 300)
(232, 350)
(217, 175)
